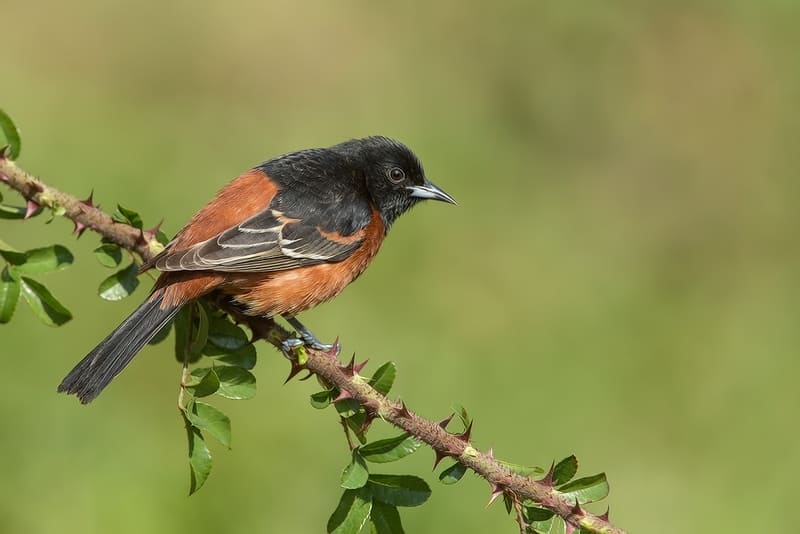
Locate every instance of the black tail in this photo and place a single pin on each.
(109, 358)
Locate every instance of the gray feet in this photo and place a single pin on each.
(306, 338)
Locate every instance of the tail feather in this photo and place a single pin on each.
(94, 372)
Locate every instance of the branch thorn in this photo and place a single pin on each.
(446, 421)
(547, 480)
(31, 209)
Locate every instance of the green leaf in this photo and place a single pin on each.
(225, 335)
(236, 383)
(565, 470)
(108, 254)
(209, 419)
(355, 475)
(462, 414)
(11, 133)
(12, 212)
(508, 502)
(199, 458)
(385, 519)
(124, 215)
(356, 424)
(244, 357)
(352, 512)
(522, 470)
(43, 303)
(390, 450)
(161, 237)
(39, 260)
(383, 379)
(199, 335)
(554, 525)
(588, 489)
(9, 295)
(399, 490)
(321, 399)
(534, 513)
(347, 407)
(452, 474)
(120, 284)
(204, 382)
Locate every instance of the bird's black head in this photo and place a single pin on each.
(395, 178)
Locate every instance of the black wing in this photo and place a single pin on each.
(268, 241)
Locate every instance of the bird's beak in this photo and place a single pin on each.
(430, 191)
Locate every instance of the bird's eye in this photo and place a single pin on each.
(396, 174)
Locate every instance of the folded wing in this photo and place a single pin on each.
(268, 241)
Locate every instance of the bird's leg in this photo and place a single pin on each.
(308, 339)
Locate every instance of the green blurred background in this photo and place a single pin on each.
(620, 280)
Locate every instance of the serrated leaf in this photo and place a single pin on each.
(9, 296)
(211, 420)
(587, 489)
(383, 378)
(199, 458)
(161, 237)
(508, 502)
(347, 407)
(385, 519)
(321, 399)
(565, 470)
(244, 357)
(12, 212)
(523, 470)
(43, 303)
(45, 260)
(204, 382)
(554, 525)
(108, 254)
(399, 490)
(356, 424)
(235, 382)
(199, 335)
(391, 449)
(120, 284)
(356, 473)
(534, 513)
(462, 414)
(352, 512)
(127, 216)
(452, 474)
(225, 335)
(13, 257)
(11, 133)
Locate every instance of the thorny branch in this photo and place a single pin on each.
(345, 377)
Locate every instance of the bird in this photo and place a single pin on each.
(279, 239)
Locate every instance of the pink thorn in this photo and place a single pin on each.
(294, 371)
(439, 457)
(497, 490)
(446, 421)
(359, 366)
(343, 394)
(464, 436)
(403, 411)
(547, 480)
(31, 209)
(89, 200)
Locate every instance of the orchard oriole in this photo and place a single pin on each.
(279, 239)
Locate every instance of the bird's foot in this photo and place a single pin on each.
(308, 339)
